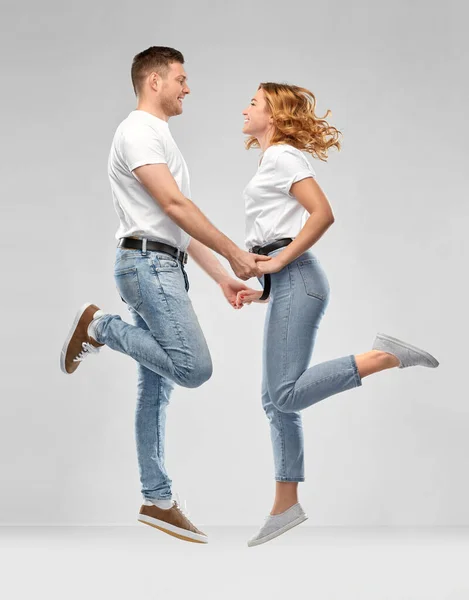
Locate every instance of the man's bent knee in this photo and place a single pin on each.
(197, 375)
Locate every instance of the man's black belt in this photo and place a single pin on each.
(135, 244)
(267, 249)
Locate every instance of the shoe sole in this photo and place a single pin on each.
(283, 529)
(63, 354)
(419, 351)
(177, 532)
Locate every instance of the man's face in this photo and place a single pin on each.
(174, 89)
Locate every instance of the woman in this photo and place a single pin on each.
(286, 213)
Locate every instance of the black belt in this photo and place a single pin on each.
(135, 244)
(267, 249)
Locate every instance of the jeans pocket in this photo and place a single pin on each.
(164, 262)
(128, 286)
(314, 279)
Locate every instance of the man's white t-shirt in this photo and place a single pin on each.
(272, 212)
(143, 139)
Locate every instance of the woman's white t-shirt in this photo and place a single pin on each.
(143, 139)
(272, 212)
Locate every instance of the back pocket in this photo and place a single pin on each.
(314, 279)
(128, 286)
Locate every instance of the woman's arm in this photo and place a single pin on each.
(310, 195)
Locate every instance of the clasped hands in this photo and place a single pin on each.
(238, 294)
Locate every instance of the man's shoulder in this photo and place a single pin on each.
(135, 129)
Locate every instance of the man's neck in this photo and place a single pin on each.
(156, 112)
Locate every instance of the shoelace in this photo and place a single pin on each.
(182, 509)
(87, 350)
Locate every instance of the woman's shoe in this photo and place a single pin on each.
(408, 356)
(275, 525)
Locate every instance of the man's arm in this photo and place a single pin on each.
(230, 286)
(207, 261)
(161, 185)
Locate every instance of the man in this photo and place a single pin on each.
(157, 224)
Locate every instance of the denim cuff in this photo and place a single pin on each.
(353, 363)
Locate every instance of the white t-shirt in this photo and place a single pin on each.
(272, 212)
(143, 139)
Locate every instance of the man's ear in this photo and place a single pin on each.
(154, 80)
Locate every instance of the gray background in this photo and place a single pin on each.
(395, 76)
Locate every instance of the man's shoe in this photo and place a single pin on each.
(172, 521)
(275, 525)
(79, 344)
(407, 355)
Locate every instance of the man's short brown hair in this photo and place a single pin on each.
(155, 58)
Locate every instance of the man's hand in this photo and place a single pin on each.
(231, 288)
(244, 264)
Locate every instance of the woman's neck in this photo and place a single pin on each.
(264, 140)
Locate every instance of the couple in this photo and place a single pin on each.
(159, 226)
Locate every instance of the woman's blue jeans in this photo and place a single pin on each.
(298, 300)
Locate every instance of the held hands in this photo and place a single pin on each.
(231, 288)
(234, 290)
(274, 265)
(247, 296)
(246, 264)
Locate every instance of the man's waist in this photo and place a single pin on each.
(148, 245)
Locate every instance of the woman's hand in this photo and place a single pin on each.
(248, 296)
(274, 265)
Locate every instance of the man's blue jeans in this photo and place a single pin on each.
(298, 300)
(166, 341)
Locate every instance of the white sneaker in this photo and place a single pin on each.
(275, 525)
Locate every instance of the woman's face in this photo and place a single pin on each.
(257, 118)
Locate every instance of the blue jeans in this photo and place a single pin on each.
(299, 297)
(166, 341)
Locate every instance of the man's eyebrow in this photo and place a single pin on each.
(183, 76)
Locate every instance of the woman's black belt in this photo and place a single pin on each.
(267, 249)
(137, 244)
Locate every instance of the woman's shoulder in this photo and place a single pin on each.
(284, 153)
(278, 149)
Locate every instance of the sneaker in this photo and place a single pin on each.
(79, 344)
(172, 521)
(275, 525)
(406, 354)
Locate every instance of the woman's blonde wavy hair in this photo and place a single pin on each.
(295, 121)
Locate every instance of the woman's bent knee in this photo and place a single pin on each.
(282, 404)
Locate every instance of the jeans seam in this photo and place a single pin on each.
(158, 423)
(284, 369)
(175, 324)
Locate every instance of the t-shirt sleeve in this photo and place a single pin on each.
(291, 167)
(142, 146)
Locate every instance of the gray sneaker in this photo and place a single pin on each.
(275, 525)
(408, 356)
